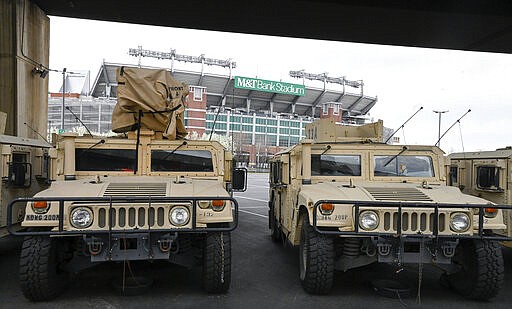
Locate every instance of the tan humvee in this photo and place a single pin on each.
(139, 197)
(486, 174)
(348, 200)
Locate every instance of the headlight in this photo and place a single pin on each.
(368, 220)
(204, 204)
(81, 217)
(179, 215)
(459, 222)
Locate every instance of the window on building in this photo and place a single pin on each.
(271, 130)
(235, 119)
(198, 94)
(247, 128)
(260, 120)
(488, 177)
(336, 110)
(285, 123)
(272, 122)
(260, 129)
(284, 131)
(247, 119)
(283, 141)
(294, 132)
(325, 109)
(271, 140)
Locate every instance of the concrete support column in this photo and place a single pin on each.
(24, 58)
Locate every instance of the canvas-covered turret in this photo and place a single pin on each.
(326, 130)
(155, 97)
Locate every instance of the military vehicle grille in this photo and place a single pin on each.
(397, 194)
(132, 216)
(414, 221)
(136, 189)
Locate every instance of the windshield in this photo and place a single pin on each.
(119, 160)
(404, 166)
(181, 161)
(335, 165)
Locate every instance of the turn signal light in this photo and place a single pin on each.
(40, 204)
(490, 212)
(326, 208)
(218, 205)
(40, 207)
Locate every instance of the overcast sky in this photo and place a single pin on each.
(403, 78)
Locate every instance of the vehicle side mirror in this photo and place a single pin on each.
(239, 179)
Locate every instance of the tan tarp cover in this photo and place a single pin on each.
(157, 94)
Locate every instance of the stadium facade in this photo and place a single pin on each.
(260, 116)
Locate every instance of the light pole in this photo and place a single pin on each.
(439, 130)
(63, 99)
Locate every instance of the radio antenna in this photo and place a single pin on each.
(457, 121)
(34, 130)
(76, 117)
(394, 132)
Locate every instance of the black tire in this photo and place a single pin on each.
(40, 275)
(275, 233)
(482, 269)
(217, 262)
(316, 260)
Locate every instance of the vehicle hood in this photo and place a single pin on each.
(372, 191)
(135, 186)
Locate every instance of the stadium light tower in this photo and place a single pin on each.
(172, 55)
(439, 130)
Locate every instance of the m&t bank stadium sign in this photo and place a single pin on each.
(269, 86)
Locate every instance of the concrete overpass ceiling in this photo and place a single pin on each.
(475, 25)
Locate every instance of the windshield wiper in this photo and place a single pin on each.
(174, 150)
(395, 156)
(326, 149)
(102, 141)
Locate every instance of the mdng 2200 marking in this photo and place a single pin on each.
(42, 217)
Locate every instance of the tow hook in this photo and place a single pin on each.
(165, 242)
(94, 245)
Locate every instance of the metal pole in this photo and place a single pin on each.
(439, 129)
(63, 98)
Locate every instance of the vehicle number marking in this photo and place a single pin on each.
(42, 217)
(341, 217)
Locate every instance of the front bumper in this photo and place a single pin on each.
(60, 226)
(434, 230)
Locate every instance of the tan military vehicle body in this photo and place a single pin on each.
(24, 171)
(486, 174)
(134, 197)
(348, 200)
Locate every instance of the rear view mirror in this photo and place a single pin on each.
(239, 179)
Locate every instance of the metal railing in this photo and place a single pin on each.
(122, 200)
(357, 205)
